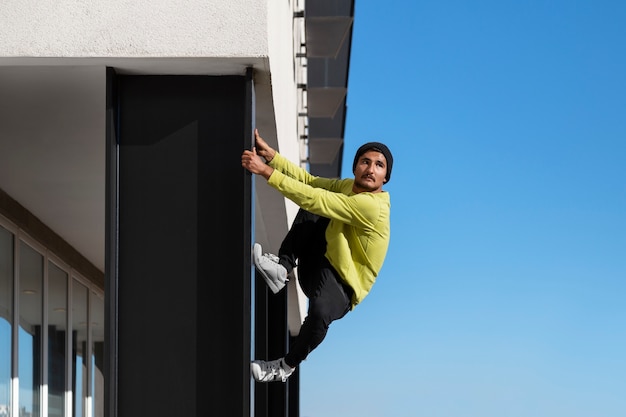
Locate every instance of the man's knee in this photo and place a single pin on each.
(323, 311)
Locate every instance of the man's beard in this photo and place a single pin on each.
(365, 185)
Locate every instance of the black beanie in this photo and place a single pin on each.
(378, 147)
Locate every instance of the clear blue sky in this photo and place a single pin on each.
(504, 290)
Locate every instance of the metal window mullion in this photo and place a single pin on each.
(69, 394)
(68, 333)
(41, 250)
(88, 353)
(15, 382)
(43, 383)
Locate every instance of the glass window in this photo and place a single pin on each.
(57, 336)
(79, 348)
(97, 357)
(6, 318)
(29, 338)
(72, 367)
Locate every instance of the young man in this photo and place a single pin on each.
(338, 240)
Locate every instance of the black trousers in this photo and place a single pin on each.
(329, 299)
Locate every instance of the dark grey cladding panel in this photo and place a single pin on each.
(326, 35)
(163, 220)
(324, 150)
(326, 170)
(328, 25)
(325, 102)
(330, 72)
(328, 127)
(330, 7)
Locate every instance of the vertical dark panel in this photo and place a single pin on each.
(158, 246)
(183, 246)
(248, 199)
(272, 342)
(110, 282)
(224, 259)
(261, 295)
(277, 345)
(293, 392)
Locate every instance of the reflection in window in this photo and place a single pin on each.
(6, 318)
(79, 348)
(57, 335)
(73, 369)
(97, 357)
(29, 338)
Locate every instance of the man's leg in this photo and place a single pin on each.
(329, 300)
(305, 241)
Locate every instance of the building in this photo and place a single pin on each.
(126, 220)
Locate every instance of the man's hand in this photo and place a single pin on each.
(253, 163)
(262, 148)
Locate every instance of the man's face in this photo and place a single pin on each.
(370, 172)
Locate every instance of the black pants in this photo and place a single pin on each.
(329, 298)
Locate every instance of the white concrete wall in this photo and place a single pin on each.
(133, 28)
(284, 86)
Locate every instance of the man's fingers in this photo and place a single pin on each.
(256, 135)
(257, 138)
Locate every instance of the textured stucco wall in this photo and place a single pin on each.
(281, 60)
(276, 119)
(133, 28)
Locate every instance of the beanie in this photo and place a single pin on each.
(378, 147)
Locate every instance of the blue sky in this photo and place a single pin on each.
(504, 290)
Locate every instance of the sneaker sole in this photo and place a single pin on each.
(257, 257)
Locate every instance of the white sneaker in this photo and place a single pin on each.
(270, 371)
(267, 264)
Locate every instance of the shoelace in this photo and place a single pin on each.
(271, 257)
(274, 368)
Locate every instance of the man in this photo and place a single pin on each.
(338, 240)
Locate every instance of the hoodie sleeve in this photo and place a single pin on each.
(300, 174)
(361, 210)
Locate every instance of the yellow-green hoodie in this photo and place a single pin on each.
(357, 236)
